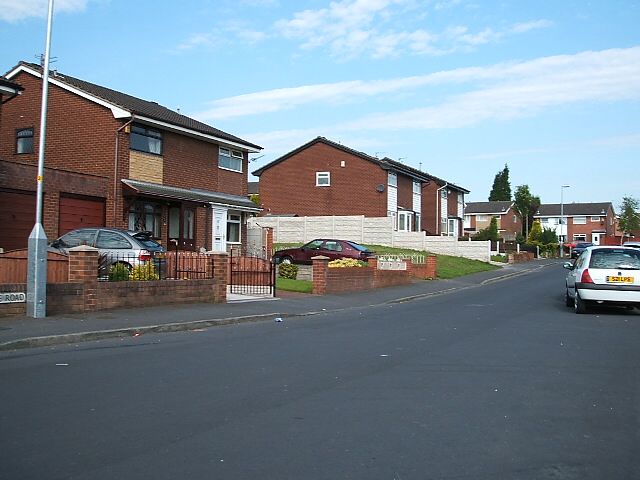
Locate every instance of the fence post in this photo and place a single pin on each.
(319, 275)
(83, 268)
(220, 276)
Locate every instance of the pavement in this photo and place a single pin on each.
(26, 332)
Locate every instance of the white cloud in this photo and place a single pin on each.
(14, 10)
(501, 91)
(351, 28)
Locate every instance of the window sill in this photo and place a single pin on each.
(229, 169)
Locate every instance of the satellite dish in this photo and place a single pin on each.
(380, 188)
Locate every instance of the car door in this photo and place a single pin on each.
(331, 249)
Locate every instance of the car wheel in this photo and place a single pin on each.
(567, 299)
(579, 305)
(286, 260)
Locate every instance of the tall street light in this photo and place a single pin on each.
(37, 243)
(563, 230)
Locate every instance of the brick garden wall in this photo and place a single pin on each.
(83, 292)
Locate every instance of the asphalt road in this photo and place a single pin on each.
(500, 381)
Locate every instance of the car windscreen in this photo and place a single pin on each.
(623, 259)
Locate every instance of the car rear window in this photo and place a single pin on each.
(624, 259)
(358, 247)
(146, 240)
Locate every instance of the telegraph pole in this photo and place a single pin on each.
(37, 269)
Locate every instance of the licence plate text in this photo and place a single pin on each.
(616, 279)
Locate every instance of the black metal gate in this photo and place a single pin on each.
(251, 275)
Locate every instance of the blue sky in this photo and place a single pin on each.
(457, 88)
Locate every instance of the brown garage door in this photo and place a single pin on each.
(80, 212)
(17, 218)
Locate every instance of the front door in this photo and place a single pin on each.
(182, 227)
(219, 229)
(595, 237)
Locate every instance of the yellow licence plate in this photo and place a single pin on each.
(614, 279)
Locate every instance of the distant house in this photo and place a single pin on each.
(116, 160)
(478, 215)
(581, 222)
(325, 178)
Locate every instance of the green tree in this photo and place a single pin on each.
(525, 205)
(489, 233)
(255, 198)
(629, 218)
(548, 236)
(501, 190)
(535, 236)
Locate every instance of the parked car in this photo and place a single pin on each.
(334, 249)
(116, 246)
(604, 275)
(631, 244)
(579, 248)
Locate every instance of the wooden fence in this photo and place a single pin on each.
(14, 264)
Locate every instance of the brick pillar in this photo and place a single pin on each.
(432, 266)
(269, 242)
(319, 275)
(373, 265)
(83, 268)
(221, 276)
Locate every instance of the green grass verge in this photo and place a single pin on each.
(448, 267)
(302, 286)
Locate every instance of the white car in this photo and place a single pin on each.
(604, 275)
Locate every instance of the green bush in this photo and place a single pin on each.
(144, 271)
(288, 270)
(118, 272)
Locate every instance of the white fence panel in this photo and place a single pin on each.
(370, 231)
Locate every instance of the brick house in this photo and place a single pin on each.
(116, 160)
(478, 215)
(325, 178)
(584, 222)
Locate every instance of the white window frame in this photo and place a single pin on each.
(581, 220)
(227, 155)
(404, 221)
(392, 180)
(323, 179)
(579, 237)
(234, 218)
(416, 188)
(595, 219)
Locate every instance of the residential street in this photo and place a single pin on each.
(499, 381)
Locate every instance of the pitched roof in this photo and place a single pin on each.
(135, 106)
(487, 208)
(253, 187)
(573, 209)
(191, 194)
(9, 88)
(385, 163)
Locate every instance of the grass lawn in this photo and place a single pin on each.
(302, 286)
(448, 267)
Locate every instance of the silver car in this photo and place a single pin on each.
(116, 246)
(604, 275)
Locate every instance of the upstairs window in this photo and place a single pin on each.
(392, 180)
(230, 159)
(579, 220)
(145, 140)
(24, 140)
(323, 179)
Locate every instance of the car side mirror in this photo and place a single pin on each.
(568, 265)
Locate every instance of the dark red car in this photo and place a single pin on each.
(334, 249)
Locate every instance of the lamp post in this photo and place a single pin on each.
(563, 230)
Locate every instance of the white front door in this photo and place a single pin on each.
(219, 229)
(453, 227)
(595, 237)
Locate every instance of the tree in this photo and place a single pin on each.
(629, 218)
(255, 198)
(525, 205)
(536, 232)
(489, 233)
(501, 190)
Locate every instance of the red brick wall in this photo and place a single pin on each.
(290, 186)
(430, 210)
(405, 192)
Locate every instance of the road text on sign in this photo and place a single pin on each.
(12, 297)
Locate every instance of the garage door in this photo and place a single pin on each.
(17, 218)
(80, 212)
